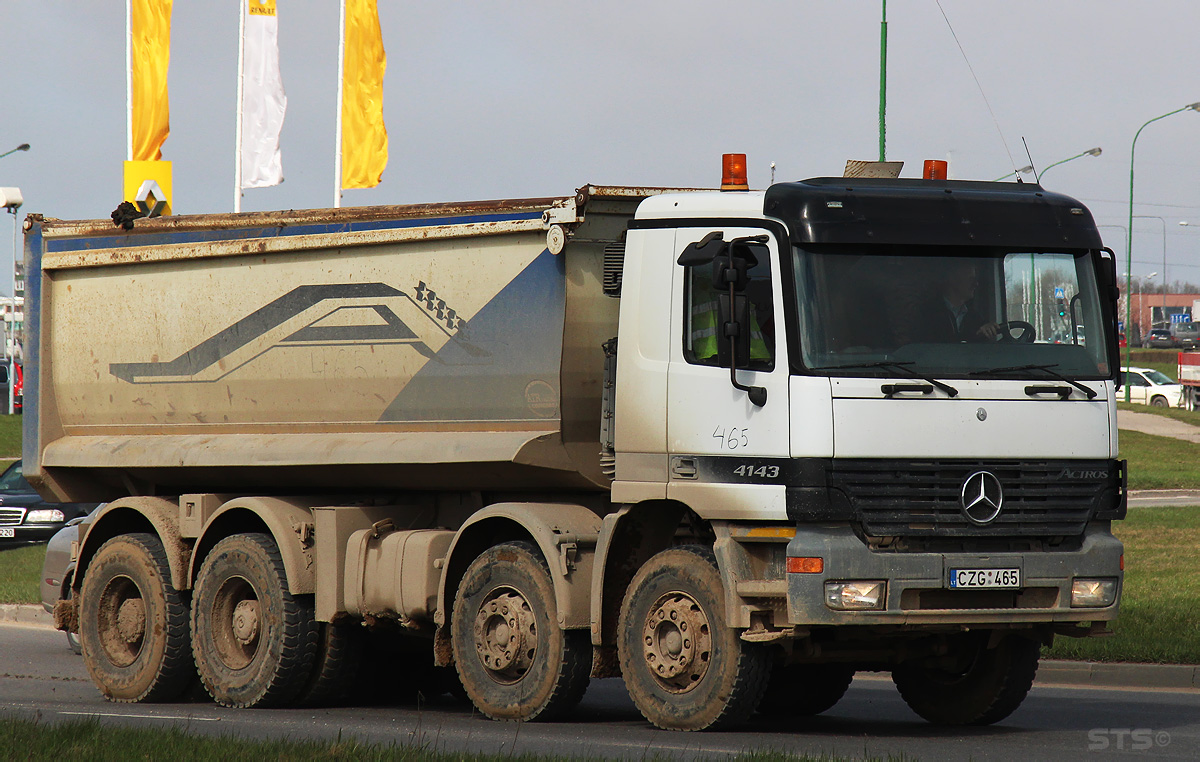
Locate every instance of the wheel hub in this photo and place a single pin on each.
(235, 622)
(505, 635)
(131, 620)
(676, 642)
(245, 622)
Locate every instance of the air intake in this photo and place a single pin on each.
(614, 262)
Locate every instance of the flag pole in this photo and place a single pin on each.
(237, 142)
(337, 152)
(129, 79)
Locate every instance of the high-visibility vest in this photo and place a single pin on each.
(706, 331)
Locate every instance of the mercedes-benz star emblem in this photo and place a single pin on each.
(982, 497)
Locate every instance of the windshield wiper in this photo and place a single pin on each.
(1043, 368)
(900, 366)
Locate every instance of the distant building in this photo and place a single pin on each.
(1147, 311)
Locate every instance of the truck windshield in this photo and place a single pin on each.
(950, 312)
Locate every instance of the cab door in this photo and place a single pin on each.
(728, 456)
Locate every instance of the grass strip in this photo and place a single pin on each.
(10, 436)
(1160, 462)
(20, 570)
(91, 740)
(1160, 605)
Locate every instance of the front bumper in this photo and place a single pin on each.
(23, 534)
(917, 583)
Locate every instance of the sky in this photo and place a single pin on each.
(537, 98)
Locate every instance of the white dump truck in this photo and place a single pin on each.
(733, 446)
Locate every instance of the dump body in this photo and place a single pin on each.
(423, 347)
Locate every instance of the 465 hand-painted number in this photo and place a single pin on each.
(733, 438)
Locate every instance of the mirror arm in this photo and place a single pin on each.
(757, 394)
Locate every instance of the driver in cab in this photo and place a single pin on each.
(951, 315)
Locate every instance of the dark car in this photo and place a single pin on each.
(25, 517)
(1159, 338)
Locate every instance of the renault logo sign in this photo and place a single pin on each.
(981, 497)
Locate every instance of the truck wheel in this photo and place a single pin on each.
(514, 661)
(803, 690)
(988, 685)
(1159, 401)
(254, 641)
(684, 667)
(339, 656)
(133, 623)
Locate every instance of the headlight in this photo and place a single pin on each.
(1093, 593)
(44, 516)
(855, 596)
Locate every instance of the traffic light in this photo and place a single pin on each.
(1062, 307)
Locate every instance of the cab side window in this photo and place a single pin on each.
(701, 319)
(1136, 379)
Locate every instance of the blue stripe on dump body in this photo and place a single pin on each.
(237, 234)
(31, 348)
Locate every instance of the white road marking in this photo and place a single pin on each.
(145, 716)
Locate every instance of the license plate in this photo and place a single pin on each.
(7, 532)
(975, 578)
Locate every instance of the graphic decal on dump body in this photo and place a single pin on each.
(520, 335)
(371, 352)
(328, 314)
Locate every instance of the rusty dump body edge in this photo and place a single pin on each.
(434, 346)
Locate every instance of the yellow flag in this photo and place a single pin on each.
(364, 135)
(149, 56)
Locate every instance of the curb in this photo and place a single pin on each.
(25, 613)
(1118, 675)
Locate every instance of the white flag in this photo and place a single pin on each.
(263, 101)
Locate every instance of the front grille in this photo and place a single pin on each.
(11, 516)
(922, 498)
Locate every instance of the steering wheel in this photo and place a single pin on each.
(1026, 336)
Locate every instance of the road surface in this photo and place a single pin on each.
(40, 678)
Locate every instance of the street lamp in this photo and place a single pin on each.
(1090, 152)
(1129, 240)
(22, 147)
(1022, 171)
(11, 199)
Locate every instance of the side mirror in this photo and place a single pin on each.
(703, 251)
(734, 317)
(730, 264)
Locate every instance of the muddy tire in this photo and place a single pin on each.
(254, 642)
(1159, 401)
(685, 669)
(803, 690)
(336, 664)
(986, 686)
(133, 624)
(514, 661)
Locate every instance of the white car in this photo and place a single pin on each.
(1148, 386)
